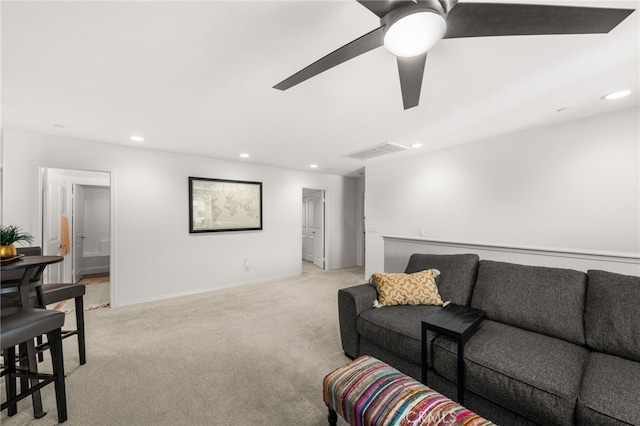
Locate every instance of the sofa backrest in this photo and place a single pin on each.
(457, 274)
(549, 301)
(612, 314)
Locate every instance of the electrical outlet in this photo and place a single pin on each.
(373, 229)
(246, 264)
(421, 232)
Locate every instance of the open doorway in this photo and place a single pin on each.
(313, 227)
(76, 224)
(91, 231)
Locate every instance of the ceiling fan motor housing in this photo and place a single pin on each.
(414, 29)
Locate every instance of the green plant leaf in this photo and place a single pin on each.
(13, 234)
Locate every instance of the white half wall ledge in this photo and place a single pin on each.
(398, 249)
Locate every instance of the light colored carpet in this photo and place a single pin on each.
(97, 295)
(251, 355)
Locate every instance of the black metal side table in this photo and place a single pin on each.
(455, 321)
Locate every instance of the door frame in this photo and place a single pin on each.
(90, 178)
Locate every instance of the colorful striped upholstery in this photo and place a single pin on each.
(368, 392)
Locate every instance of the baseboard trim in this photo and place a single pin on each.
(202, 290)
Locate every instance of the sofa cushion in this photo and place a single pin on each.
(418, 288)
(612, 318)
(457, 273)
(610, 392)
(535, 375)
(545, 300)
(397, 328)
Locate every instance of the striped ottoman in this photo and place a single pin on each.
(369, 392)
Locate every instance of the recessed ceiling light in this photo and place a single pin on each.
(59, 125)
(244, 155)
(314, 166)
(562, 109)
(137, 138)
(415, 145)
(616, 95)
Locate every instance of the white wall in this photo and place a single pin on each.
(573, 186)
(153, 254)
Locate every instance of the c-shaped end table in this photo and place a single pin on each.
(459, 323)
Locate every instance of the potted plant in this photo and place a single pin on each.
(11, 235)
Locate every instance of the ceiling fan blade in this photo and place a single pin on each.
(497, 19)
(411, 71)
(357, 47)
(447, 5)
(382, 7)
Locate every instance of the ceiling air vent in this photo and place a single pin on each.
(377, 151)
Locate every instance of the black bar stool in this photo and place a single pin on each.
(58, 292)
(21, 325)
(54, 293)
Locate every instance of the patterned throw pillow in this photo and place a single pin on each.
(407, 289)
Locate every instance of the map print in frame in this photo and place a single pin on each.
(218, 205)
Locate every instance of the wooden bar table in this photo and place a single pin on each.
(30, 268)
(25, 273)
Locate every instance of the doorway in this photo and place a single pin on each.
(91, 230)
(76, 223)
(313, 226)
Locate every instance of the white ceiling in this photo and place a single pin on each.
(197, 77)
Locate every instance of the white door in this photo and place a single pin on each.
(77, 202)
(53, 198)
(315, 205)
(308, 245)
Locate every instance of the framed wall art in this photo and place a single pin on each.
(219, 205)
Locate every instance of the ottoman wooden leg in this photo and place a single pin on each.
(332, 417)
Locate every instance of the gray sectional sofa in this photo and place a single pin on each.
(557, 347)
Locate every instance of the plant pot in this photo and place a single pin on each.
(8, 251)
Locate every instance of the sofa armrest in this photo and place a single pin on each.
(352, 301)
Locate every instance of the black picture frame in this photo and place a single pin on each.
(221, 205)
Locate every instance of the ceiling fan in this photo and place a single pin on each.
(409, 28)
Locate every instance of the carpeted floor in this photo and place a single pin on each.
(97, 296)
(251, 355)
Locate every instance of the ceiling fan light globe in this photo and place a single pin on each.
(414, 34)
